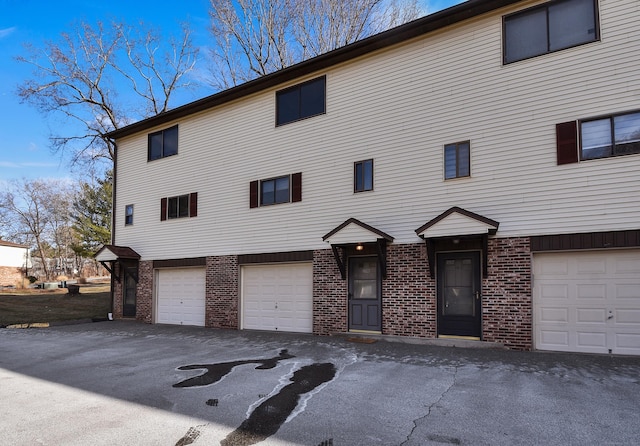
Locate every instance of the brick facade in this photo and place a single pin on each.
(144, 292)
(222, 292)
(507, 303)
(118, 287)
(329, 295)
(408, 293)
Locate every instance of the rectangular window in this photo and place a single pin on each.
(283, 189)
(610, 136)
(274, 191)
(457, 160)
(163, 143)
(363, 176)
(301, 101)
(180, 206)
(549, 27)
(128, 215)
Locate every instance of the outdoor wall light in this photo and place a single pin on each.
(359, 247)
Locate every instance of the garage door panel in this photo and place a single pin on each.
(587, 341)
(587, 301)
(556, 338)
(181, 296)
(591, 315)
(282, 295)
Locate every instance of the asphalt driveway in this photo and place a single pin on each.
(130, 383)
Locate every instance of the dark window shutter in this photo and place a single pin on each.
(296, 187)
(193, 204)
(253, 194)
(567, 142)
(163, 209)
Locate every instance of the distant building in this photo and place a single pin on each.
(15, 263)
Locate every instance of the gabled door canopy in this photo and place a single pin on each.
(456, 223)
(108, 255)
(353, 232)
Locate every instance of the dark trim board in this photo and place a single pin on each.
(180, 263)
(276, 257)
(587, 240)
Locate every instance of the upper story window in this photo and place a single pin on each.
(553, 26)
(163, 143)
(276, 190)
(610, 136)
(128, 215)
(457, 160)
(180, 206)
(363, 176)
(301, 101)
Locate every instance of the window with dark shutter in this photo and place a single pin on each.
(567, 142)
(278, 190)
(181, 206)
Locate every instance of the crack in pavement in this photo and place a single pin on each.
(416, 420)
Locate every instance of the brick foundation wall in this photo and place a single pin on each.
(144, 292)
(329, 295)
(222, 292)
(117, 292)
(506, 294)
(11, 275)
(408, 293)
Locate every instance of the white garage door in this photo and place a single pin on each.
(278, 297)
(587, 302)
(181, 296)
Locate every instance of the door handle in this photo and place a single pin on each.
(350, 295)
(477, 295)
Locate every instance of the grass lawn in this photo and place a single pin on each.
(32, 306)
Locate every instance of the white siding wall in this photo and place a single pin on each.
(400, 107)
(13, 256)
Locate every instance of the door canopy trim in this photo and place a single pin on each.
(455, 224)
(109, 255)
(353, 232)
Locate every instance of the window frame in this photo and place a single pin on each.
(128, 216)
(191, 200)
(613, 153)
(298, 88)
(165, 134)
(363, 187)
(457, 161)
(275, 190)
(545, 6)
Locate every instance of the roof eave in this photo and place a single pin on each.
(416, 28)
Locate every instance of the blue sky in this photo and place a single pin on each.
(24, 146)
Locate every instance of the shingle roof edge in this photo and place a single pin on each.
(416, 28)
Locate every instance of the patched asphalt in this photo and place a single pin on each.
(124, 382)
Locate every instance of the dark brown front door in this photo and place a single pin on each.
(459, 286)
(129, 292)
(364, 294)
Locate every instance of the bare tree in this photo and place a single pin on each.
(252, 38)
(78, 78)
(38, 211)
